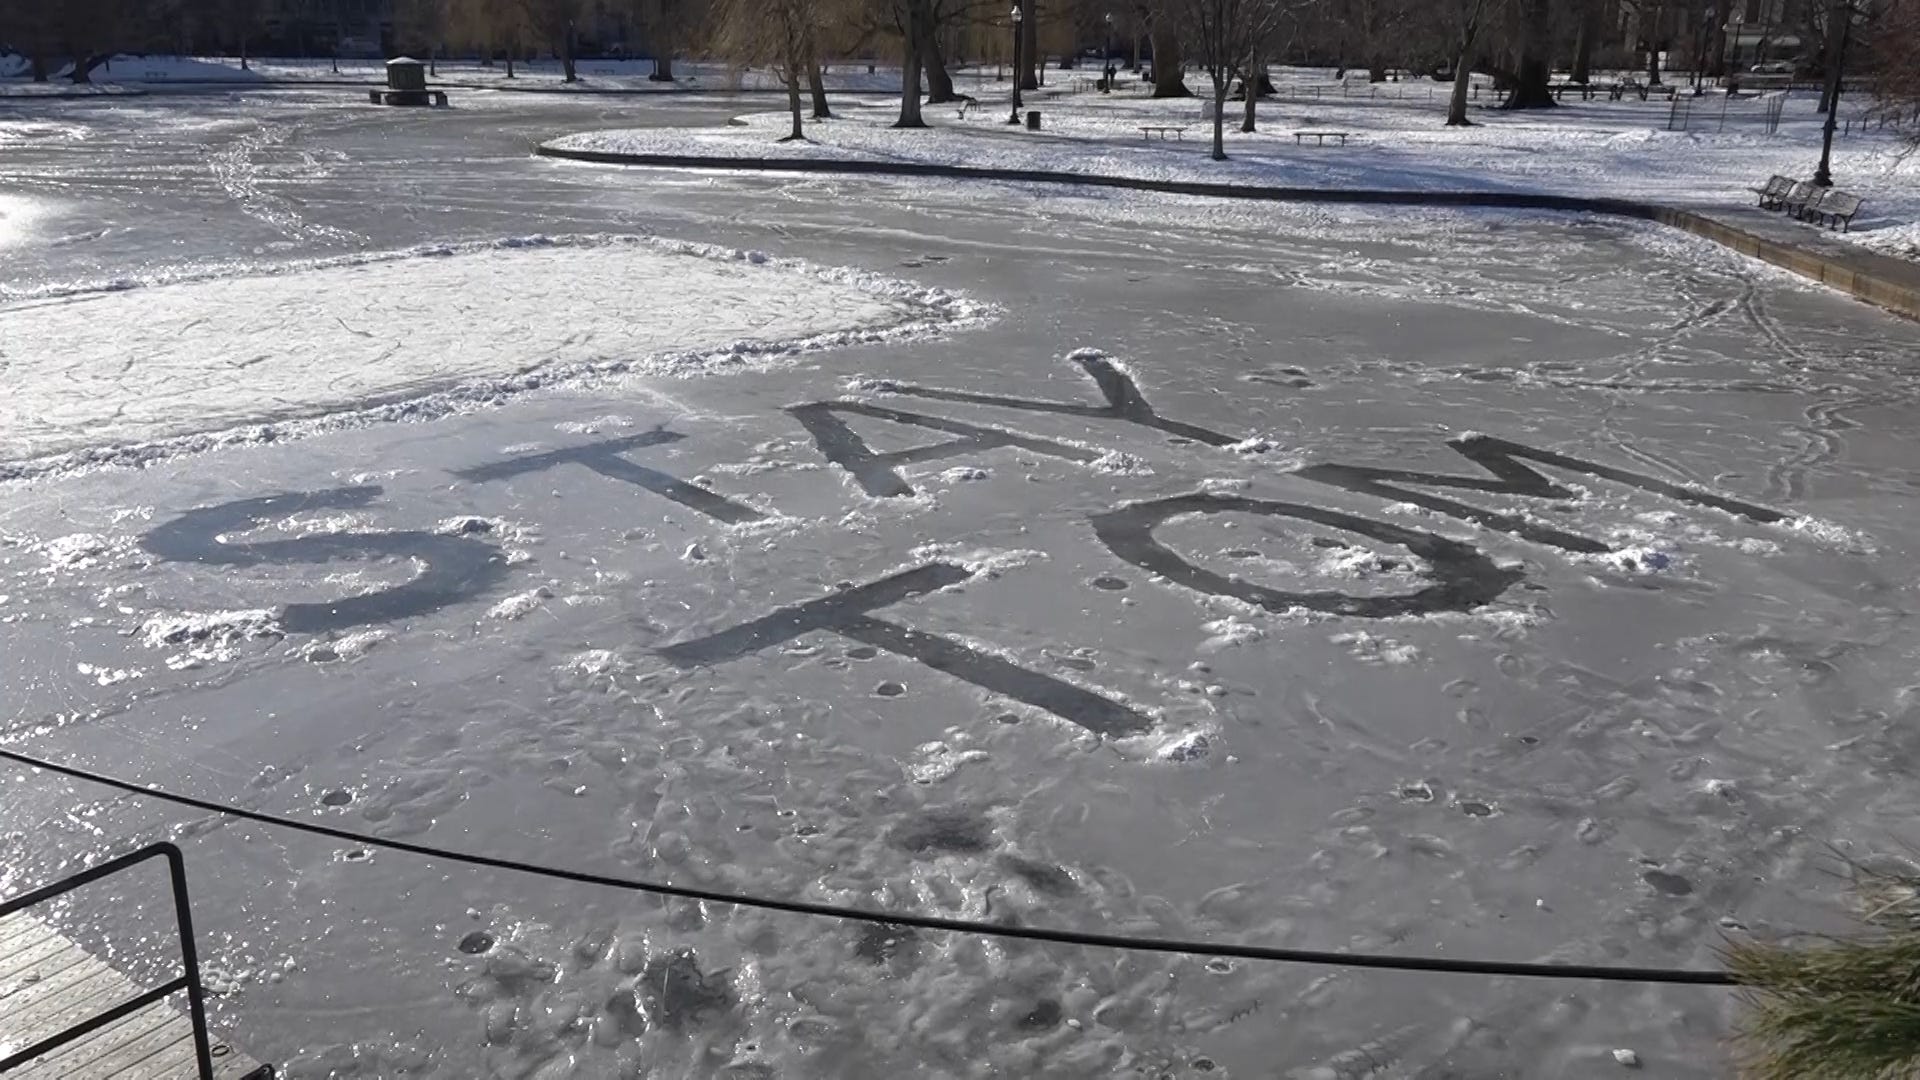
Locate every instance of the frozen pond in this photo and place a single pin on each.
(1491, 585)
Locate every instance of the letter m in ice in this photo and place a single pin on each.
(1510, 475)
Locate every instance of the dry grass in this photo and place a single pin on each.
(1838, 1009)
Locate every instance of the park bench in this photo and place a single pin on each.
(1319, 137)
(1833, 207)
(1148, 131)
(1773, 191)
(1795, 200)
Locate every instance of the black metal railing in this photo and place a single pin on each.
(189, 979)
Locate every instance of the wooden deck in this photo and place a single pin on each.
(48, 983)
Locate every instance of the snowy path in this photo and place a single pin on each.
(1505, 585)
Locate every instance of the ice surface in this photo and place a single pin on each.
(1590, 762)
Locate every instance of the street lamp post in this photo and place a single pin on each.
(1014, 117)
(1106, 59)
(1733, 46)
(1823, 176)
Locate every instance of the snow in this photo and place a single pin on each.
(1583, 148)
(17, 214)
(1492, 782)
(406, 333)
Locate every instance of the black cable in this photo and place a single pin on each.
(920, 922)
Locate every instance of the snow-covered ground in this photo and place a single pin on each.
(409, 333)
(1507, 585)
(1591, 148)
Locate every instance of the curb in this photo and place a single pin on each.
(1860, 283)
(11, 99)
(1863, 284)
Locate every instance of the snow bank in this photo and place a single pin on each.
(1618, 149)
(164, 364)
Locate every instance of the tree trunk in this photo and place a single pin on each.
(1653, 30)
(793, 102)
(509, 63)
(1717, 50)
(1257, 75)
(566, 57)
(1837, 14)
(1220, 84)
(1462, 82)
(933, 62)
(1376, 70)
(817, 86)
(1532, 74)
(662, 42)
(1168, 78)
(84, 64)
(39, 63)
(1583, 43)
(1133, 63)
(1029, 45)
(910, 68)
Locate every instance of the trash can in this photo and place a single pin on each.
(405, 73)
(1033, 119)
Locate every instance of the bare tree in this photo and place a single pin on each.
(492, 25)
(1380, 26)
(1277, 41)
(780, 34)
(240, 18)
(1532, 77)
(1227, 35)
(1468, 17)
(943, 18)
(557, 23)
(1890, 63)
(1169, 61)
(87, 32)
(912, 19)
